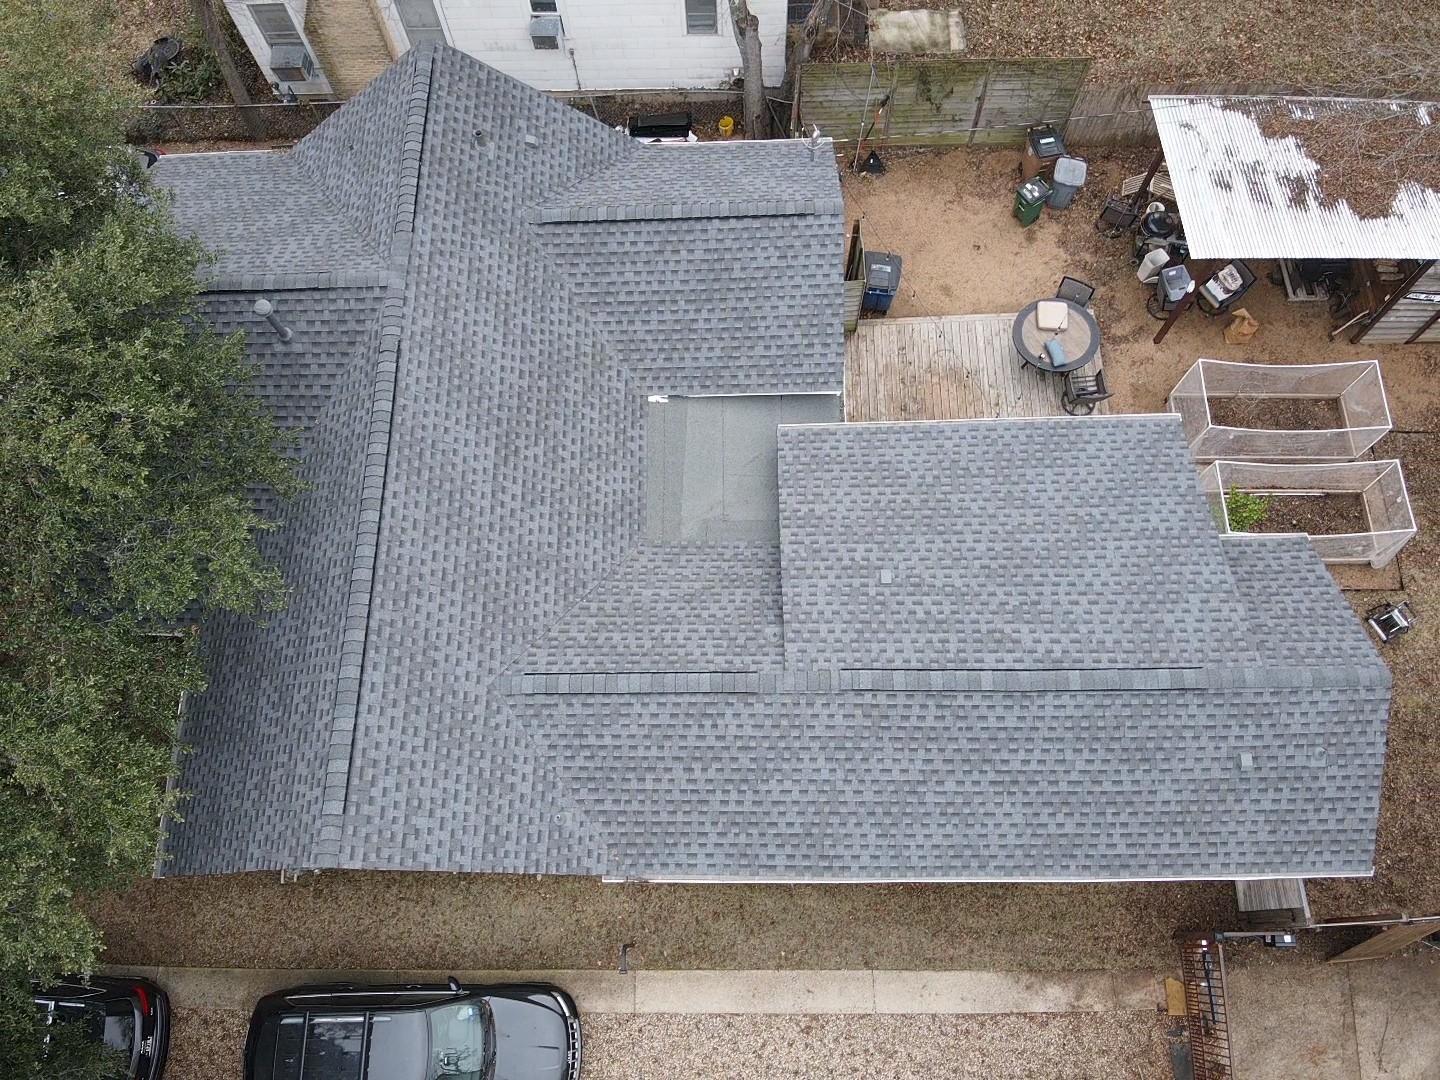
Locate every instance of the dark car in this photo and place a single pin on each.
(525, 1031)
(132, 1016)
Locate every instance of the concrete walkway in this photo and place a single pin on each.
(815, 993)
(1374, 1020)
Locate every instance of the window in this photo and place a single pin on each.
(544, 7)
(700, 17)
(421, 21)
(275, 24)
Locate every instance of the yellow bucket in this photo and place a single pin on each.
(726, 126)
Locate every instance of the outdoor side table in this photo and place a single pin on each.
(1080, 338)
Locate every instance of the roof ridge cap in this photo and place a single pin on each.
(325, 849)
(677, 208)
(354, 635)
(402, 212)
(412, 151)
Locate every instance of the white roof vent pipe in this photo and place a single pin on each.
(266, 310)
(814, 141)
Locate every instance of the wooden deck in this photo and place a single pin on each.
(953, 367)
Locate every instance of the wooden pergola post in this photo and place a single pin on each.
(1211, 269)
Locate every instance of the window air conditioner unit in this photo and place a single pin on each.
(292, 64)
(545, 31)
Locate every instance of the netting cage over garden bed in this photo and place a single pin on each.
(1281, 412)
(1379, 487)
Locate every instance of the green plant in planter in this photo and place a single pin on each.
(1245, 512)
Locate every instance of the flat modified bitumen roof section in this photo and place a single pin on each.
(544, 623)
(710, 463)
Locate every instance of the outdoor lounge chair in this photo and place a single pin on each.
(1083, 392)
(1076, 291)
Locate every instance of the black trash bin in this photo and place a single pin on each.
(1043, 145)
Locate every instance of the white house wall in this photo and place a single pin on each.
(638, 45)
(260, 50)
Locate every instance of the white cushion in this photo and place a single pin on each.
(1051, 315)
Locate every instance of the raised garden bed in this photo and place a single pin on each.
(1277, 414)
(1281, 412)
(1353, 512)
(1325, 514)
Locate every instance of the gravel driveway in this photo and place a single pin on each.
(207, 1045)
(1115, 1046)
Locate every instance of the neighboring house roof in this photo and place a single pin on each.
(1244, 195)
(524, 639)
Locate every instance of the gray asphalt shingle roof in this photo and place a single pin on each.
(261, 211)
(488, 666)
(1005, 544)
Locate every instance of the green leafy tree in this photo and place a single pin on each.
(32, 1050)
(128, 449)
(62, 155)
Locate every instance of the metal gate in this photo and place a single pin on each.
(1202, 973)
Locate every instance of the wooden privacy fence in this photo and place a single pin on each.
(945, 102)
(1392, 940)
(1118, 114)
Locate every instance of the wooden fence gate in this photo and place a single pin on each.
(945, 102)
(1392, 940)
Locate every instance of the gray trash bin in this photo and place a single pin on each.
(1068, 179)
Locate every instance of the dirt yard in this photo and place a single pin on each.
(139, 22)
(947, 214)
(1286, 42)
(353, 920)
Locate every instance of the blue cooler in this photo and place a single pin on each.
(882, 280)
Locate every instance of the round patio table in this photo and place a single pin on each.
(1080, 339)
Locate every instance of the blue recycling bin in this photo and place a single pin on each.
(882, 280)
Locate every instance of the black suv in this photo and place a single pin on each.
(343, 1032)
(131, 1015)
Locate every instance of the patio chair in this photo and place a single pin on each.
(1389, 621)
(1076, 291)
(1083, 392)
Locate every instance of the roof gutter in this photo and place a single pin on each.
(741, 880)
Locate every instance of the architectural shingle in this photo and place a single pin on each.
(1002, 651)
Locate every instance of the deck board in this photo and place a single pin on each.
(953, 367)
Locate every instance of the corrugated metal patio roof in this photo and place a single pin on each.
(1237, 188)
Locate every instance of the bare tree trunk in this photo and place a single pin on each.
(747, 36)
(215, 38)
(800, 53)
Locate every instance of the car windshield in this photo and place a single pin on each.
(460, 1046)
